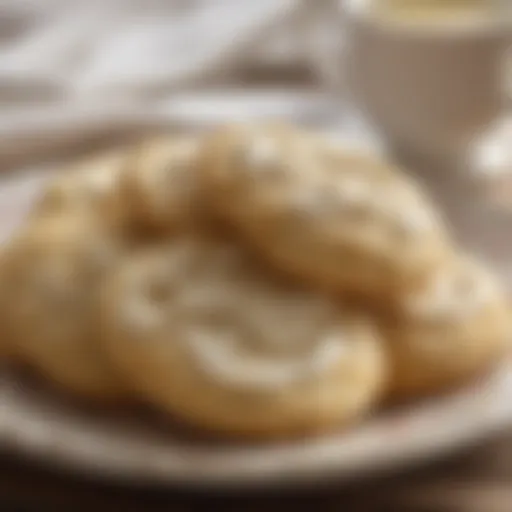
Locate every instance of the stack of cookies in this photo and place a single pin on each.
(259, 281)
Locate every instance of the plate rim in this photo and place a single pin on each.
(237, 474)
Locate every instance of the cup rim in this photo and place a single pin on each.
(359, 11)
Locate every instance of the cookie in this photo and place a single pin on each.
(206, 335)
(91, 187)
(159, 186)
(337, 218)
(452, 330)
(51, 272)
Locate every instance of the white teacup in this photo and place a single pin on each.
(429, 80)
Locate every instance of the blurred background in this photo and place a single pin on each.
(432, 88)
(74, 72)
(424, 79)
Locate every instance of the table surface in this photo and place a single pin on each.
(479, 480)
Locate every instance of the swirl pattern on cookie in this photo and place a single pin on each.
(205, 334)
(320, 212)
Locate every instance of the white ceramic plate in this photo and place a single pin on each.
(128, 446)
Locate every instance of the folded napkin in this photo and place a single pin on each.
(71, 70)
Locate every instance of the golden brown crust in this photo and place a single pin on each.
(89, 188)
(50, 280)
(442, 343)
(159, 186)
(339, 219)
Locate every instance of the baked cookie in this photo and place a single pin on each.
(91, 187)
(206, 335)
(450, 331)
(337, 218)
(50, 276)
(159, 186)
